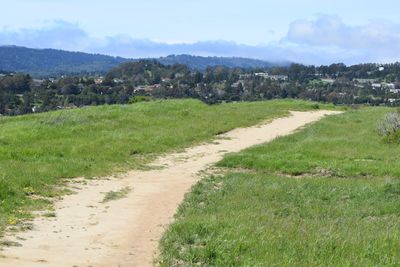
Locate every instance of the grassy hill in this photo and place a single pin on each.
(325, 196)
(38, 152)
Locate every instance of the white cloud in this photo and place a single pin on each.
(323, 40)
(59, 34)
(375, 41)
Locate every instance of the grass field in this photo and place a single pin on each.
(326, 196)
(36, 151)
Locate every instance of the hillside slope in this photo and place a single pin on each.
(48, 62)
(37, 150)
(139, 214)
(52, 62)
(326, 196)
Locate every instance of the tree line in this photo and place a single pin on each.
(371, 84)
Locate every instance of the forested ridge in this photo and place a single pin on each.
(45, 63)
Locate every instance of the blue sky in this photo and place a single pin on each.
(308, 31)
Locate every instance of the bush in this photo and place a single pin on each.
(389, 127)
(315, 106)
(139, 98)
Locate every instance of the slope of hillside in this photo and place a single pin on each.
(325, 196)
(52, 62)
(37, 151)
(143, 202)
(48, 62)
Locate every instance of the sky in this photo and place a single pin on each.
(304, 31)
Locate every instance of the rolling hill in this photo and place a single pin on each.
(52, 62)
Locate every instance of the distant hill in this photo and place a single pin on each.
(48, 62)
(201, 63)
(52, 62)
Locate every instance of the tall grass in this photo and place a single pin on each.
(345, 145)
(325, 196)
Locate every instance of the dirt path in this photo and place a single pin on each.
(125, 232)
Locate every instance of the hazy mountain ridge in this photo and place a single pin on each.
(47, 62)
(52, 62)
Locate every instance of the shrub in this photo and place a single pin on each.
(389, 127)
(315, 106)
(139, 98)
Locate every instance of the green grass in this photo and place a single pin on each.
(342, 211)
(345, 145)
(36, 151)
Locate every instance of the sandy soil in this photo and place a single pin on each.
(125, 232)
